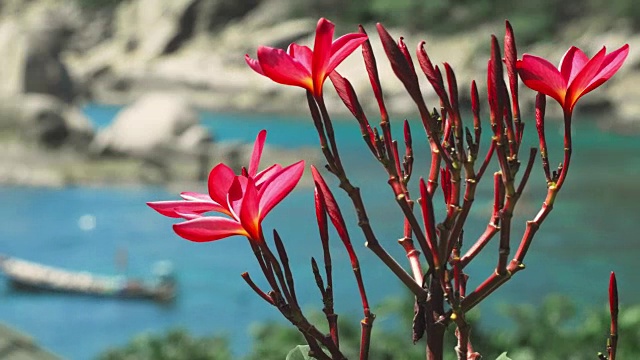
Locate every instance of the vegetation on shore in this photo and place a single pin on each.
(537, 20)
(555, 330)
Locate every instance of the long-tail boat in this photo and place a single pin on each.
(31, 276)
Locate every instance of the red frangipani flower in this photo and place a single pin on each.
(303, 67)
(244, 200)
(576, 76)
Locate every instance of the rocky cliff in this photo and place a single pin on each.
(196, 48)
(57, 55)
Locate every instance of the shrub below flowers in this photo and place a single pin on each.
(551, 331)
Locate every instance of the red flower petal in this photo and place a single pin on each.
(321, 217)
(257, 153)
(342, 47)
(209, 228)
(266, 174)
(347, 94)
(188, 216)
(279, 186)
(220, 179)
(235, 196)
(572, 62)
(613, 296)
(400, 66)
(250, 212)
(278, 66)
(301, 54)
(189, 195)
(611, 64)
(321, 54)
(254, 64)
(510, 58)
(581, 81)
(176, 209)
(540, 75)
(332, 208)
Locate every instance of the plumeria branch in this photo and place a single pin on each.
(240, 202)
(330, 206)
(363, 220)
(327, 292)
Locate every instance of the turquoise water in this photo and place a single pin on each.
(592, 231)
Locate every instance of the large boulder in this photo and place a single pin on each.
(154, 121)
(45, 121)
(33, 36)
(164, 131)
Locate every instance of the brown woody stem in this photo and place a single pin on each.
(365, 335)
(328, 126)
(567, 150)
(361, 213)
(256, 289)
(317, 121)
(492, 227)
(435, 325)
(410, 217)
(462, 333)
(315, 350)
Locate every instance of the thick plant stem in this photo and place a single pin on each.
(315, 349)
(436, 326)
(462, 332)
(567, 150)
(414, 258)
(365, 335)
(328, 126)
(413, 222)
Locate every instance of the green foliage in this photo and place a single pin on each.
(300, 352)
(534, 20)
(555, 330)
(98, 4)
(176, 344)
(272, 341)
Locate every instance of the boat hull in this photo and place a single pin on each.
(29, 276)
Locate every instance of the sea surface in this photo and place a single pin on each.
(593, 230)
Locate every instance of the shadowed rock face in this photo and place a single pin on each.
(33, 37)
(45, 121)
(45, 72)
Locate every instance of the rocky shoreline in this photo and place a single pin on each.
(208, 67)
(179, 55)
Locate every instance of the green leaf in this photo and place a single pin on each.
(503, 356)
(300, 352)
